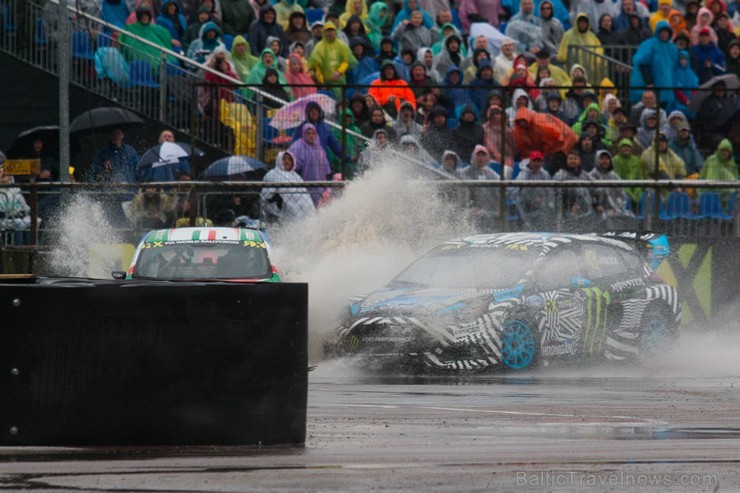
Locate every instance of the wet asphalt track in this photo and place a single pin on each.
(550, 431)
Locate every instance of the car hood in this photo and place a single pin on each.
(431, 301)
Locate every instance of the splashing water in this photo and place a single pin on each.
(84, 224)
(361, 240)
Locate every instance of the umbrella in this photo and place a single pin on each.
(104, 117)
(730, 80)
(493, 35)
(234, 165)
(293, 114)
(162, 162)
(22, 146)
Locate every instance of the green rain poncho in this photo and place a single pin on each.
(352, 147)
(134, 49)
(244, 62)
(257, 74)
(629, 168)
(718, 168)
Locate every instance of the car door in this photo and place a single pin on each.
(561, 315)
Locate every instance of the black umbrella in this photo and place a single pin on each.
(104, 117)
(22, 146)
(731, 81)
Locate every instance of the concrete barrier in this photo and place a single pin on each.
(157, 363)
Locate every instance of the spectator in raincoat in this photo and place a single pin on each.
(709, 60)
(237, 18)
(482, 85)
(496, 139)
(662, 14)
(628, 167)
(404, 123)
(488, 11)
(655, 65)
(297, 29)
(580, 35)
(264, 27)
(171, 18)
(242, 58)
(411, 34)
(541, 132)
(704, 19)
(503, 63)
(450, 56)
(331, 59)
(720, 166)
(457, 92)
(14, 209)
(390, 90)
(207, 42)
(683, 144)
(315, 116)
(610, 204)
(524, 28)
(686, 82)
(669, 166)
(144, 28)
(202, 15)
(437, 137)
(468, 133)
(626, 9)
(374, 23)
(285, 204)
(594, 9)
(353, 8)
(268, 60)
(534, 204)
(552, 28)
(284, 9)
(296, 77)
(352, 146)
(312, 163)
(405, 14)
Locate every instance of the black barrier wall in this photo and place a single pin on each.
(106, 363)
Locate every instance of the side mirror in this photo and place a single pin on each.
(118, 274)
(579, 282)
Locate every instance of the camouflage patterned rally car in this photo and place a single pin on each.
(512, 300)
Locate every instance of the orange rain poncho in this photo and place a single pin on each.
(545, 133)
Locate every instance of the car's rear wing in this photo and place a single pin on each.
(654, 246)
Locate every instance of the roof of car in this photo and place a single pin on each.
(550, 240)
(204, 234)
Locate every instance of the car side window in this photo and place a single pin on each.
(633, 263)
(601, 261)
(558, 270)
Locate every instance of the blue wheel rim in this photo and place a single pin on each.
(517, 344)
(654, 336)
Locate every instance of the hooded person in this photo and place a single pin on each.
(208, 40)
(437, 136)
(541, 132)
(412, 34)
(190, 9)
(627, 8)
(661, 14)
(498, 137)
(374, 152)
(390, 90)
(366, 64)
(284, 9)
(356, 28)
(720, 166)
(704, 20)
(577, 202)
(683, 144)
(276, 45)
(267, 60)
(170, 17)
(581, 35)
(410, 148)
(297, 29)
(357, 8)
(312, 162)
(489, 11)
(374, 23)
(450, 56)
(524, 28)
(455, 89)
(387, 51)
(451, 163)
(669, 165)
(378, 121)
(552, 28)
(594, 9)
(503, 63)
(242, 58)
(317, 34)
(202, 15)
(285, 204)
(405, 14)
(301, 84)
(648, 127)
(315, 116)
(654, 64)
(405, 123)
(519, 99)
(628, 167)
(448, 29)
(419, 81)
(482, 85)
(331, 59)
(468, 133)
(146, 29)
(272, 86)
(470, 64)
(592, 113)
(425, 56)
(263, 28)
(237, 18)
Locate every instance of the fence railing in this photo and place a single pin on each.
(611, 61)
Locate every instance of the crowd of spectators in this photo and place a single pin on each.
(511, 102)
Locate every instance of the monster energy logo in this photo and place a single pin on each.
(597, 310)
(354, 342)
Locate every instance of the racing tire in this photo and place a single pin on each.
(519, 348)
(657, 335)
